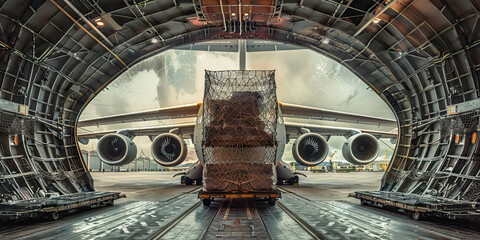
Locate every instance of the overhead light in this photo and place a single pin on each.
(99, 22)
(107, 19)
(377, 20)
(457, 138)
(246, 14)
(154, 40)
(234, 14)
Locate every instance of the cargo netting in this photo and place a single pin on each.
(463, 123)
(239, 131)
(11, 123)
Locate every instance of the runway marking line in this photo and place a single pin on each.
(228, 210)
(249, 214)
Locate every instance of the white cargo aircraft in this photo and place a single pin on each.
(169, 148)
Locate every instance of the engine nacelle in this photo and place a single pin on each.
(310, 149)
(361, 149)
(169, 149)
(116, 149)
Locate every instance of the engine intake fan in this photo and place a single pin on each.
(310, 149)
(169, 149)
(361, 149)
(116, 149)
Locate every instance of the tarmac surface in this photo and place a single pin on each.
(140, 186)
(156, 204)
(159, 186)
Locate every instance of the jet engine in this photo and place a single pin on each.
(361, 149)
(169, 149)
(116, 149)
(310, 149)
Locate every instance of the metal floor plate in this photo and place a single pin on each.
(136, 220)
(236, 219)
(341, 220)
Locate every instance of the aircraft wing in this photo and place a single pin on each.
(293, 129)
(186, 129)
(184, 111)
(191, 110)
(299, 111)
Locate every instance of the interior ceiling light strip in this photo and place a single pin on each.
(89, 23)
(374, 18)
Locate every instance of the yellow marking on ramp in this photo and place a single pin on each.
(227, 211)
(249, 214)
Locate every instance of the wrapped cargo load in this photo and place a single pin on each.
(239, 131)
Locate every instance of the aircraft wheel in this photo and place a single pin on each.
(54, 216)
(271, 201)
(417, 216)
(207, 201)
(188, 181)
(182, 180)
(279, 181)
(293, 180)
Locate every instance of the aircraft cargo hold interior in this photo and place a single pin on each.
(244, 124)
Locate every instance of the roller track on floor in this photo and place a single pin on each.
(311, 230)
(238, 219)
(174, 222)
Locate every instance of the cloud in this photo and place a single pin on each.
(182, 80)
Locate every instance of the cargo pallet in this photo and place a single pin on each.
(54, 207)
(270, 196)
(418, 206)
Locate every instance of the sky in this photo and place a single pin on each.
(176, 77)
